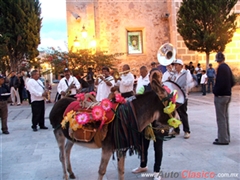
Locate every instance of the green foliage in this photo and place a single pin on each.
(78, 62)
(20, 24)
(206, 25)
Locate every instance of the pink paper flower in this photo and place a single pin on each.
(80, 97)
(167, 89)
(97, 113)
(119, 98)
(106, 104)
(82, 118)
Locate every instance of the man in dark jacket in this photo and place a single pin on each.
(13, 84)
(4, 95)
(222, 91)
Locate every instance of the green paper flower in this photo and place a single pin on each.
(174, 122)
(170, 108)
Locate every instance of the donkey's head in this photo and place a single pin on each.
(149, 106)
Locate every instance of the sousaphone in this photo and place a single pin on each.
(166, 54)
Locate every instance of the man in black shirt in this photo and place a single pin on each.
(4, 95)
(222, 91)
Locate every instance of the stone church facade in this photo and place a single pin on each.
(136, 28)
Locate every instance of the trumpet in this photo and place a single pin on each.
(117, 74)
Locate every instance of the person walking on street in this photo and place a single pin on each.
(222, 96)
(158, 144)
(204, 80)
(198, 71)
(4, 95)
(211, 76)
(20, 86)
(184, 80)
(13, 84)
(38, 94)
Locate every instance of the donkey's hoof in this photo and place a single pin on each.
(72, 176)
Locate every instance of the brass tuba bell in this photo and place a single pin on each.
(166, 54)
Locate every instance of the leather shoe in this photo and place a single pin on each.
(43, 127)
(218, 143)
(34, 129)
(6, 132)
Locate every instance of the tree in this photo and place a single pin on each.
(20, 24)
(206, 25)
(79, 61)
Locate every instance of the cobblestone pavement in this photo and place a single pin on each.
(28, 155)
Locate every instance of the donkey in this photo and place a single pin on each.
(148, 108)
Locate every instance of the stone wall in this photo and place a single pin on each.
(112, 20)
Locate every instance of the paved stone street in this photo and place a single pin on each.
(28, 155)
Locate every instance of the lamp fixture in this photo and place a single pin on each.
(93, 43)
(84, 32)
(76, 42)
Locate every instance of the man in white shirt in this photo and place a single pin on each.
(38, 93)
(183, 79)
(143, 80)
(104, 84)
(169, 74)
(125, 82)
(68, 85)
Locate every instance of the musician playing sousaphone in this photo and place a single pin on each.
(125, 82)
(104, 83)
(68, 85)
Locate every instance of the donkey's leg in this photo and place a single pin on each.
(68, 148)
(121, 162)
(62, 156)
(106, 154)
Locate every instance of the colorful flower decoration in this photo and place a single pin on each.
(97, 113)
(82, 118)
(106, 104)
(167, 89)
(119, 98)
(174, 122)
(80, 97)
(170, 108)
(174, 96)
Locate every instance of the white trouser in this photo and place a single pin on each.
(14, 93)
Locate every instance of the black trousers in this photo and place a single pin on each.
(127, 94)
(158, 150)
(182, 111)
(38, 111)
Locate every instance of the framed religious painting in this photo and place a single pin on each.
(134, 42)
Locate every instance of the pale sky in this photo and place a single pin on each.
(54, 26)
